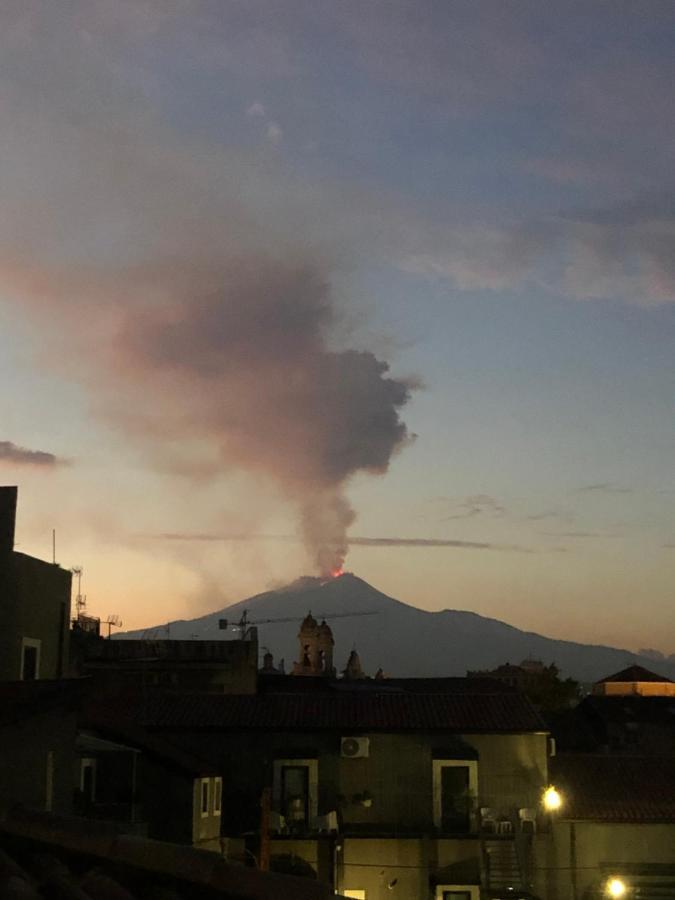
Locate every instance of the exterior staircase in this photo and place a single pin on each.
(502, 866)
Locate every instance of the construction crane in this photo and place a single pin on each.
(244, 623)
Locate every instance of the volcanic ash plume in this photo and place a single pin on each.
(243, 362)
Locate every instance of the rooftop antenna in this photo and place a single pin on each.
(54, 546)
(80, 601)
(113, 621)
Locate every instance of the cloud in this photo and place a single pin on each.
(354, 541)
(274, 133)
(603, 487)
(624, 252)
(579, 534)
(256, 111)
(472, 506)
(20, 456)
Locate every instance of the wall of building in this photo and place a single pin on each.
(630, 688)
(578, 856)
(397, 774)
(513, 769)
(228, 667)
(373, 864)
(38, 754)
(34, 604)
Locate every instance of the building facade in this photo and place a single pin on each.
(34, 607)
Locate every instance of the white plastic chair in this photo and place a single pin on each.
(528, 820)
(488, 819)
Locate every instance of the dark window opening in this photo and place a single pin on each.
(295, 794)
(455, 799)
(29, 667)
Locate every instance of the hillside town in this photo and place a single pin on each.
(193, 768)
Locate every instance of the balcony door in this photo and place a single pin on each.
(455, 800)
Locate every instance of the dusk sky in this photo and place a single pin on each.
(220, 223)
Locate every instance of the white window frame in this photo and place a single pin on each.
(204, 781)
(438, 766)
(217, 795)
(472, 889)
(312, 781)
(37, 645)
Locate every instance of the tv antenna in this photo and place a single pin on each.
(80, 601)
(113, 621)
(244, 624)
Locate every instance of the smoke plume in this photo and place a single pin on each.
(245, 366)
(193, 282)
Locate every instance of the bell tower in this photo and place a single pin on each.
(316, 649)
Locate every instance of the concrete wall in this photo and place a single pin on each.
(630, 688)
(374, 864)
(512, 770)
(575, 857)
(34, 604)
(37, 756)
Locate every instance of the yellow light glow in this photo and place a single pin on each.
(616, 887)
(552, 799)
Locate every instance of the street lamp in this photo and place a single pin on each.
(552, 799)
(615, 888)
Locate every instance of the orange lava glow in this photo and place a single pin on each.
(335, 573)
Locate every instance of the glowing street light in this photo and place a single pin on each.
(552, 799)
(615, 888)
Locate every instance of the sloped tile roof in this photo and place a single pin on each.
(352, 711)
(634, 673)
(615, 788)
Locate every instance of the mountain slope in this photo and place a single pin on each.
(403, 640)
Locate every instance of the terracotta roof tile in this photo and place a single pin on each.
(616, 788)
(634, 673)
(367, 711)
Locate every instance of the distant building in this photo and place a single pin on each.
(353, 669)
(634, 680)
(199, 666)
(34, 607)
(316, 649)
(528, 674)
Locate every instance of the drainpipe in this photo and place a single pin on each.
(573, 860)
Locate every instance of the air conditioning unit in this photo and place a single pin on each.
(355, 747)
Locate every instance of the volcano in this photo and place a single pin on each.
(401, 639)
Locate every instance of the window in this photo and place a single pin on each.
(457, 892)
(217, 795)
(455, 789)
(88, 780)
(30, 659)
(204, 797)
(295, 791)
(356, 894)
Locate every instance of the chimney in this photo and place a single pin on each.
(7, 518)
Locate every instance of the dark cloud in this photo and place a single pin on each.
(21, 456)
(603, 487)
(353, 541)
(579, 534)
